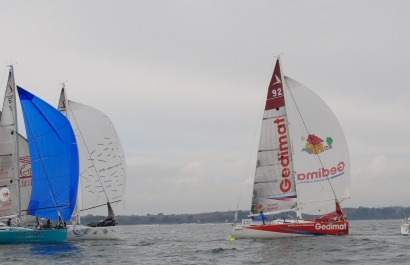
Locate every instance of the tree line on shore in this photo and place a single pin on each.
(360, 213)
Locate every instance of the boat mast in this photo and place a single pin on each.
(63, 108)
(14, 114)
(282, 77)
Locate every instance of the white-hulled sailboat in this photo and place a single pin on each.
(302, 166)
(102, 170)
(405, 226)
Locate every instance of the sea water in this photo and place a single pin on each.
(370, 242)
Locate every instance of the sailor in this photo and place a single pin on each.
(262, 217)
(48, 226)
(9, 222)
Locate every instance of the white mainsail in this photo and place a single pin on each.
(274, 185)
(9, 192)
(25, 179)
(8, 160)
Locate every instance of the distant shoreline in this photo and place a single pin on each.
(360, 213)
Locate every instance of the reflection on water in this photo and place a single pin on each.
(55, 250)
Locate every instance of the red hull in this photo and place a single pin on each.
(306, 228)
(281, 230)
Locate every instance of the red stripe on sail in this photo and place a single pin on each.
(275, 98)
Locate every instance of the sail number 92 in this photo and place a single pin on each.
(277, 92)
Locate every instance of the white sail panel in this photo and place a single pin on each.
(321, 156)
(9, 198)
(102, 160)
(274, 186)
(25, 179)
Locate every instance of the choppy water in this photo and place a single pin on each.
(369, 242)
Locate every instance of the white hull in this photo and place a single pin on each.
(240, 232)
(405, 229)
(243, 231)
(83, 232)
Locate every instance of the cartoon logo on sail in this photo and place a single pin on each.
(4, 194)
(25, 171)
(315, 145)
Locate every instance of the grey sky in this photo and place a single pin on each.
(184, 82)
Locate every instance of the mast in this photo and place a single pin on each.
(284, 84)
(63, 108)
(16, 135)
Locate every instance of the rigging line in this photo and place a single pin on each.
(304, 124)
(260, 117)
(105, 204)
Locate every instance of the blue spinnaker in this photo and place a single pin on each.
(54, 156)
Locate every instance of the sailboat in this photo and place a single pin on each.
(102, 170)
(302, 169)
(405, 226)
(54, 169)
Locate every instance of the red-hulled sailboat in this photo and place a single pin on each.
(302, 167)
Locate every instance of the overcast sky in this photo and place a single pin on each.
(185, 82)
